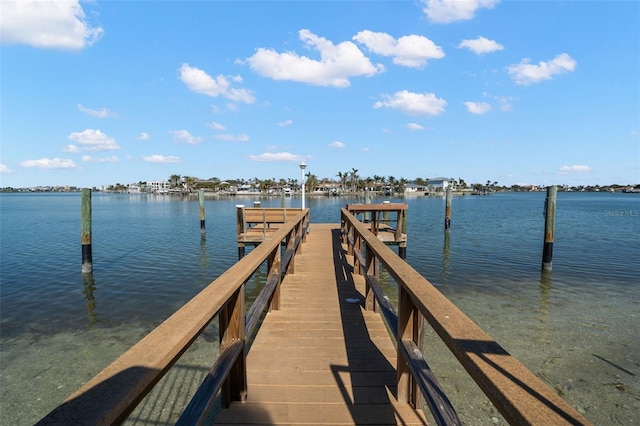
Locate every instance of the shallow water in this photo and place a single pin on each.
(576, 328)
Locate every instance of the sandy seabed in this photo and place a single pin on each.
(592, 368)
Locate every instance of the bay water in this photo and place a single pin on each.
(577, 327)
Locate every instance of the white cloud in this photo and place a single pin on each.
(481, 45)
(477, 107)
(93, 140)
(200, 82)
(71, 148)
(285, 123)
(337, 144)
(143, 136)
(4, 169)
(232, 138)
(525, 73)
(413, 103)
(414, 126)
(52, 24)
(336, 65)
(410, 51)
(447, 11)
(109, 159)
(277, 156)
(505, 102)
(99, 113)
(216, 126)
(574, 169)
(156, 158)
(49, 163)
(185, 136)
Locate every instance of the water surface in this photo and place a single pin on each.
(576, 328)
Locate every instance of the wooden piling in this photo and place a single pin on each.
(241, 226)
(85, 231)
(402, 248)
(549, 227)
(385, 214)
(447, 211)
(201, 199)
(367, 200)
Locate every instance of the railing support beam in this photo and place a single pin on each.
(231, 319)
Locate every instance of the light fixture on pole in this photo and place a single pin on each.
(303, 166)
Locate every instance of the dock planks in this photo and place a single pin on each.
(322, 359)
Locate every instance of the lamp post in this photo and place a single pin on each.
(303, 166)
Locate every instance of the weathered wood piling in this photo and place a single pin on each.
(549, 227)
(447, 211)
(85, 231)
(240, 226)
(201, 200)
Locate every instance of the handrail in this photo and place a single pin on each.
(114, 393)
(515, 391)
(379, 222)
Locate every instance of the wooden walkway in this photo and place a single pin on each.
(321, 358)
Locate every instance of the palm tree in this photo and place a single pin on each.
(311, 182)
(369, 182)
(354, 179)
(392, 183)
(189, 183)
(174, 181)
(343, 180)
(402, 184)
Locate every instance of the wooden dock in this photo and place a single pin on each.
(330, 347)
(322, 358)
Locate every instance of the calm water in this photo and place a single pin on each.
(149, 258)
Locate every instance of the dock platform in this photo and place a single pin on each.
(322, 358)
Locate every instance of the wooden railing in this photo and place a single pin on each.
(516, 392)
(114, 393)
(388, 221)
(256, 224)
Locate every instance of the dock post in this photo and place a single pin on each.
(385, 214)
(402, 248)
(85, 231)
(549, 227)
(240, 228)
(201, 200)
(447, 212)
(367, 200)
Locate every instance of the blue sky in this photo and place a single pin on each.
(518, 92)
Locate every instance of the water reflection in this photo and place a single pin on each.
(89, 288)
(545, 289)
(543, 333)
(204, 258)
(445, 255)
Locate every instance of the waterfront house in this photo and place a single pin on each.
(441, 184)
